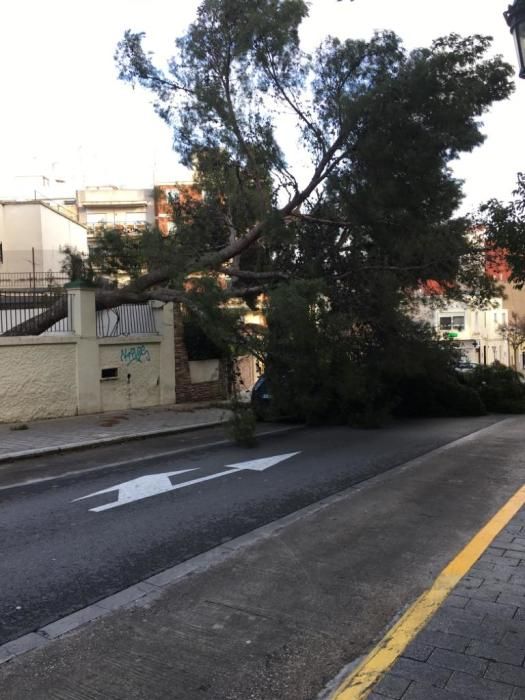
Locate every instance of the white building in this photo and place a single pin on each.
(474, 331)
(116, 207)
(32, 234)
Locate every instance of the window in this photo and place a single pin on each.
(1, 253)
(99, 217)
(109, 373)
(452, 323)
(136, 217)
(131, 218)
(172, 194)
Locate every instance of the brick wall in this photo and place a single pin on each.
(185, 391)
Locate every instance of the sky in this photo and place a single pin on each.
(64, 113)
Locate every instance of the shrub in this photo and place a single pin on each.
(324, 366)
(423, 396)
(199, 345)
(499, 387)
(241, 426)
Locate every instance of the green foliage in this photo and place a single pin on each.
(117, 252)
(241, 427)
(381, 125)
(349, 251)
(199, 345)
(322, 370)
(302, 355)
(422, 396)
(76, 265)
(504, 226)
(418, 375)
(499, 387)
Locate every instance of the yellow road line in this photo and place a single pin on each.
(360, 682)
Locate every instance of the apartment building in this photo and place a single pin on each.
(165, 196)
(475, 331)
(107, 206)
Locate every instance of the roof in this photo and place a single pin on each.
(45, 204)
(108, 203)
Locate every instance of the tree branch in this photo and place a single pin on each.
(111, 298)
(317, 220)
(41, 322)
(235, 125)
(249, 275)
(272, 73)
(321, 171)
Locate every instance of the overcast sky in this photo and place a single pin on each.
(64, 111)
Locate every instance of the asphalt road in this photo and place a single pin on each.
(58, 554)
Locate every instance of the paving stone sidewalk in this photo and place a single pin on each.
(40, 437)
(474, 646)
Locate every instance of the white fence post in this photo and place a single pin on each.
(164, 323)
(82, 305)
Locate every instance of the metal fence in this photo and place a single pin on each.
(128, 319)
(32, 280)
(35, 312)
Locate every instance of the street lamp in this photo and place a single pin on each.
(515, 16)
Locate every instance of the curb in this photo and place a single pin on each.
(71, 446)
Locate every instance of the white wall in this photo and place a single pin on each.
(481, 327)
(137, 384)
(59, 231)
(27, 225)
(37, 376)
(204, 371)
(22, 231)
(53, 375)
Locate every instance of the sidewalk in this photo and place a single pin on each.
(474, 646)
(59, 434)
(277, 613)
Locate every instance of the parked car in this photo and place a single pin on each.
(261, 398)
(465, 366)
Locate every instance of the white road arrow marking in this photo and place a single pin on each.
(137, 489)
(259, 465)
(153, 484)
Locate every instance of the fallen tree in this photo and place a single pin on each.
(371, 218)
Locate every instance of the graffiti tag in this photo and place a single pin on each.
(138, 353)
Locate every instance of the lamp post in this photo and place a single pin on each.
(477, 350)
(515, 16)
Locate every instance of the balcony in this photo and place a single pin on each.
(94, 230)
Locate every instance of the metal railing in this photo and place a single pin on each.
(32, 280)
(35, 312)
(93, 230)
(128, 319)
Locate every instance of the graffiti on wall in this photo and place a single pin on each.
(136, 353)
